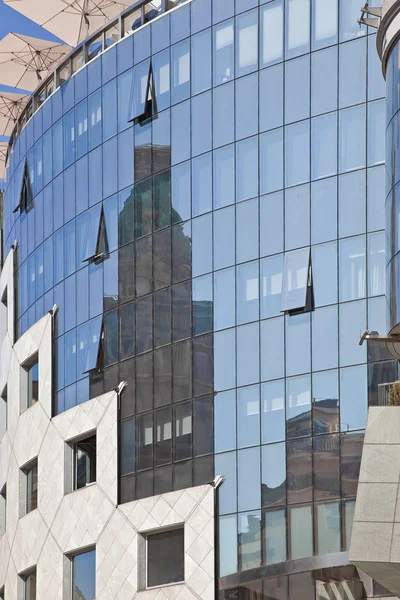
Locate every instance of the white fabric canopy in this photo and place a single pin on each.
(11, 106)
(25, 61)
(70, 20)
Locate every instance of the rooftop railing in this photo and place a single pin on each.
(389, 394)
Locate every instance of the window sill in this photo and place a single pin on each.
(164, 585)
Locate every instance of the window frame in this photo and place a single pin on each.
(164, 530)
(93, 463)
(24, 577)
(308, 304)
(69, 567)
(28, 483)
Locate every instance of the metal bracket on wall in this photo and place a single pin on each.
(374, 18)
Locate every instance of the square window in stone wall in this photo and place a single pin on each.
(165, 557)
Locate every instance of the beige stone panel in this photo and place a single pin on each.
(376, 502)
(380, 463)
(370, 542)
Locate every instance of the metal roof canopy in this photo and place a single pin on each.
(25, 61)
(11, 106)
(70, 20)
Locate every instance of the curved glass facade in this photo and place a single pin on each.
(172, 239)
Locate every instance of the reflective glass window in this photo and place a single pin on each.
(223, 115)
(297, 217)
(324, 327)
(271, 224)
(275, 536)
(95, 119)
(271, 285)
(180, 192)
(109, 109)
(180, 132)
(224, 237)
(271, 50)
(295, 279)
(247, 292)
(328, 524)
(124, 94)
(324, 23)
(226, 465)
(352, 323)
(301, 532)
(323, 210)
(271, 97)
(202, 245)
(246, 103)
(352, 267)
(225, 423)
(298, 344)
(201, 184)
(224, 177)
(224, 298)
(352, 72)
(353, 398)
(271, 161)
(273, 475)
(349, 27)
(298, 27)
(223, 52)
(201, 61)
(180, 68)
(352, 138)
(376, 264)
(201, 123)
(375, 198)
(297, 153)
(376, 136)
(297, 89)
(326, 466)
(324, 80)
(202, 304)
(298, 406)
(325, 402)
(249, 484)
(323, 146)
(247, 230)
(272, 355)
(376, 82)
(161, 73)
(352, 199)
(273, 411)
(299, 471)
(249, 540)
(228, 541)
(247, 43)
(324, 266)
(248, 354)
(248, 412)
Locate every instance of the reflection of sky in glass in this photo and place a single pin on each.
(84, 573)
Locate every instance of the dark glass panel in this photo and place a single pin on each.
(126, 231)
(127, 373)
(162, 376)
(326, 467)
(144, 324)
(142, 151)
(203, 470)
(181, 252)
(162, 258)
(144, 265)
(351, 449)
(183, 475)
(163, 480)
(111, 380)
(203, 426)
(126, 280)
(144, 382)
(182, 370)
(127, 446)
(182, 311)
(161, 144)
(144, 484)
(143, 207)
(163, 432)
(162, 318)
(162, 200)
(127, 331)
(183, 431)
(299, 471)
(144, 442)
(127, 489)
(111, 337)
(203, 380)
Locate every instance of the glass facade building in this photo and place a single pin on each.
(204, 202)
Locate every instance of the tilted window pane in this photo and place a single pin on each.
(295, 279)
(139, 90)
(91, 344)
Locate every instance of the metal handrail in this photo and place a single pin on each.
(384, 390)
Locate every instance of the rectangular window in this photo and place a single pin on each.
(83, 576)
(165, 558)
(29, 586)
(85, 462)
(297, 282)
(31, 480)
(33, 383)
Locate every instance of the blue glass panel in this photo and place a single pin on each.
(124, 96)
(201, 124)
(81, 89)
(248, 354)
(246, 96)
(223, 52)
(223, 115)
(95, 119)
(297, 153)
(271, 97)
(248, 412)
(271, 46)
(249, 484)
(323, 210)
(297, 89)
(324, 326)
(110, 161)
(353, 398)
(224, 360)
(352, 138)
(352, 73)
(224, 177)
(81, 120)
(161, 71)
(352, 199)
(376, 135)
(247, 169)
(272, 355)
(271, 285)
(57, 148)
(125, 159)
(180, 72)
(247, 292)
(271, 161)
(201, 61)
(247, 230)
(225, 464)
(141, 44)
(324, 81)
(324, 267)
(201, 184)
(82, 190)
(160, 34)
(324, 23)
(273, 411)
(224, 237)
(109, 109)
(125, 54)
(180, 132)
(247, 43)
(202, 245)
(58, 207)
(298, 344)
(297, 217)
(95, 168)
(109, 64)
(69, 193)
(297, 17)
(271, 224)
(352, 322)
(181, 208)
(180, 24)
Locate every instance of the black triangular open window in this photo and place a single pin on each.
(97, 248)
(143, 106)
(102, 247)
(25, 195)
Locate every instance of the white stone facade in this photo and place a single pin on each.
(64, 522)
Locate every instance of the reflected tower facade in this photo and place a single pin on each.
(203, 200)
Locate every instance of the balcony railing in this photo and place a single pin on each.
(384, 390)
